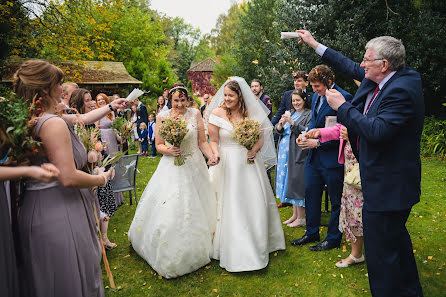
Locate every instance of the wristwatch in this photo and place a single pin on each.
(110, 106)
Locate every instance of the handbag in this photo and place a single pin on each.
(352, 176)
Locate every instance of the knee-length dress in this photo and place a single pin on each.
(58, 236)
(109, 136)
(350, 217)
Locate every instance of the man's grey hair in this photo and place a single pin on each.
(389, 48)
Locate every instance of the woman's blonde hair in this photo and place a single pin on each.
(34, 80)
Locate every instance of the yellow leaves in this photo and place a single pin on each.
(344, 248)
(267, 41)
(430, 257)
(208, 267)
(156, 54)
(9, 3)
(215, 290)
(255, 62)
(160, 277)
(126, 256)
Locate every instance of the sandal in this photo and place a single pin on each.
(344, 264)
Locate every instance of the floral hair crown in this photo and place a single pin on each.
(178, 89)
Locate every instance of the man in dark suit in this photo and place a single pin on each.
(322, 167)
(141, 114)
(300, 82)
(386, 115)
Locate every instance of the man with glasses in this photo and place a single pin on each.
(384, 122)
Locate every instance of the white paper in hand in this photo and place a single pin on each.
(134, 94)
(287, 112)
(288, 35)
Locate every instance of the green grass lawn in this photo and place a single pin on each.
(294, 272)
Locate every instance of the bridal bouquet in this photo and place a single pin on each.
(247, 134)
(90, 139)
(16, 130)
(173, 130)
(122, 128)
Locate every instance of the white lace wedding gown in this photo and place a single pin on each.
(248, 221)
(175, 219)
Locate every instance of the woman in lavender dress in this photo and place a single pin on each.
(108, 135)
(57, 224)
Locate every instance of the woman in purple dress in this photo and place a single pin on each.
(109, 136)
(57, 223)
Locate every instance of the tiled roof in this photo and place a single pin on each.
(205, 65)
(89, 72)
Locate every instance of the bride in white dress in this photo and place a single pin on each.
(248, 221)
(175, 219)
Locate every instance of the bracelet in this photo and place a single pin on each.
(105, 181)
(110, 106)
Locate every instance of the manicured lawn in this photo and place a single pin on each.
(294, 272)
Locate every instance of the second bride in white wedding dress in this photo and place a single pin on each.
(248, 221)
(175, 219)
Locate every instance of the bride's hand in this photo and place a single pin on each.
(174, 151)
(214, 160)
(251, 155)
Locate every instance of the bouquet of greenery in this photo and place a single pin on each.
(91, 139)
(173, 130)
(247, 134)
(16, 130)
(122, 128)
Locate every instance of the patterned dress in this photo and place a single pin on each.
(350, 218)
(282, 165)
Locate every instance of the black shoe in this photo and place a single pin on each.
(325, 246)
(306, 239)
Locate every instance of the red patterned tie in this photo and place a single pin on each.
(373, 98)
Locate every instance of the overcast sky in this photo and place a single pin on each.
(201, 14)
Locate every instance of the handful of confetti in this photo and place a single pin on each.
(173, 130)
(247, 134)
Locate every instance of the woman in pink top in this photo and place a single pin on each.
(350, 218)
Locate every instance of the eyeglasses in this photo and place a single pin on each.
(370, 60)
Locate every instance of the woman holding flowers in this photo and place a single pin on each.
(109, 136)
(175, 219)
(82, 101)
(248, 222)
(57, 227)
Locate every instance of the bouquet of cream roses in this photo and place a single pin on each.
(173, 130)
(246, 133)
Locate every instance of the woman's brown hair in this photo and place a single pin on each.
(34, 80)
(302, 95)
(107, 101)
(234, 86)
(77, 100)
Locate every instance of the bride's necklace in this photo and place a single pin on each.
(175, 113)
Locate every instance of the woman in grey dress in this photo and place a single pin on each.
(9, 282)
(291, 177)
(57, 224)
(108, 135)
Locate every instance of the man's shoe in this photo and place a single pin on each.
(325, 246)
(306, 239)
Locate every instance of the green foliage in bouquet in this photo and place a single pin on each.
(246, 133)
(173, 130)
(16, 129)
(122, 128)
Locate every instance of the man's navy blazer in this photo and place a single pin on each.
(285, 105)
(389, 135)
(327, 151)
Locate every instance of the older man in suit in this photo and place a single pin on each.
(322, 167)
(386, 115)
